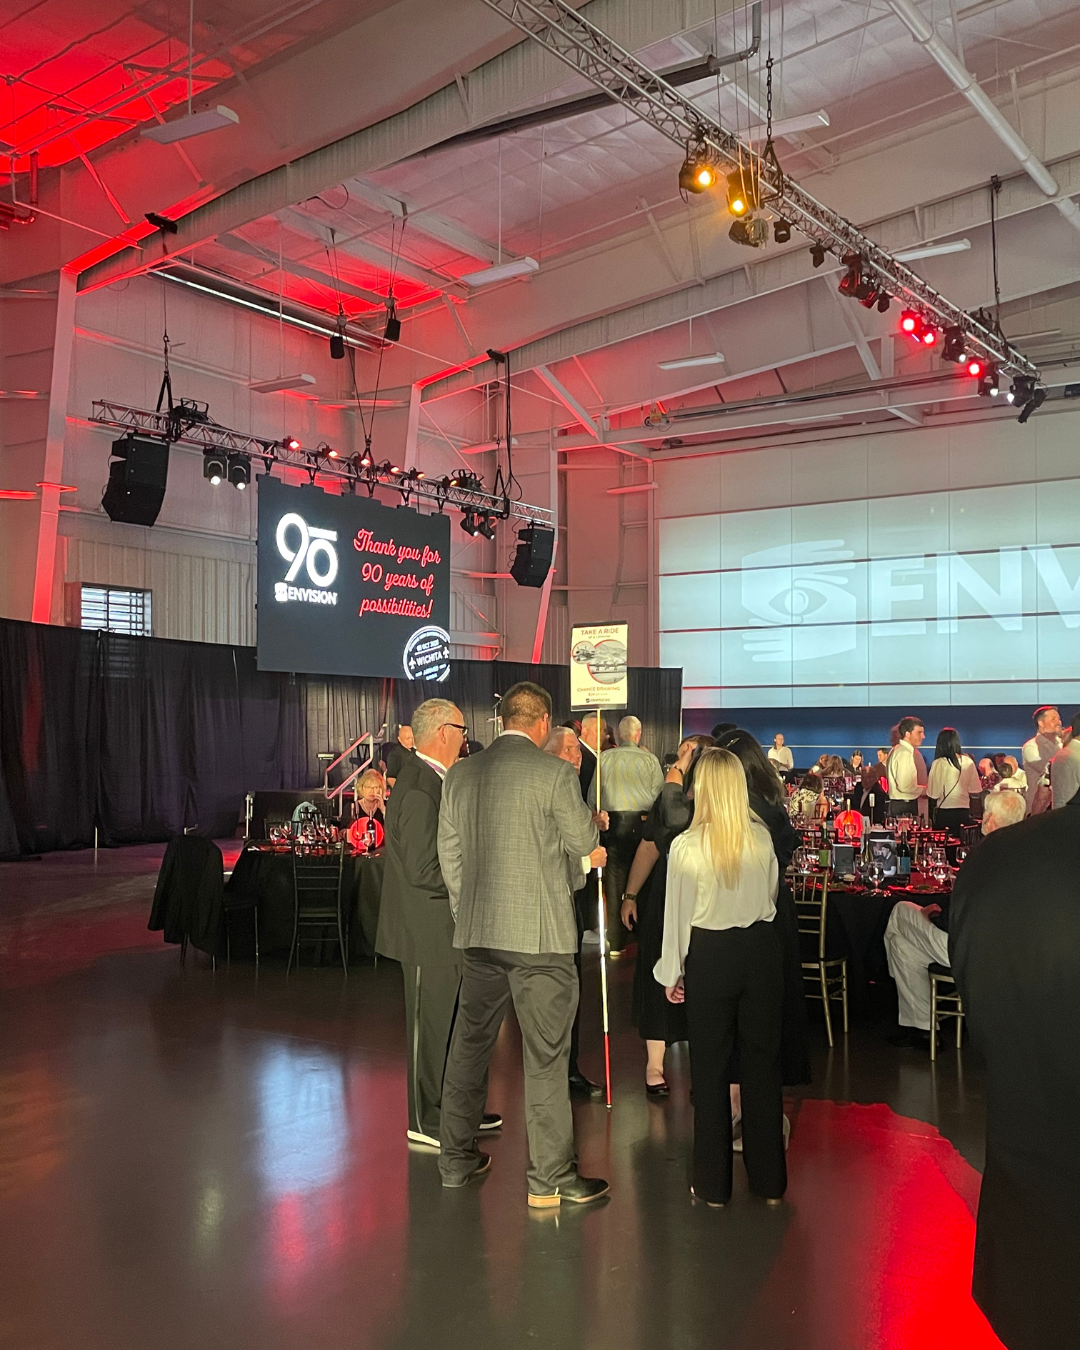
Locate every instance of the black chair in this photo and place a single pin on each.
(317, 894)
(238, 902)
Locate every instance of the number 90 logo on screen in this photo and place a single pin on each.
(311, 548)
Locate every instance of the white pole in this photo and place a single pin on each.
(602, 908)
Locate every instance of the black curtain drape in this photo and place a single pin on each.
(142, 738)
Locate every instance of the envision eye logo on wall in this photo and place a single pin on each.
(315, 548)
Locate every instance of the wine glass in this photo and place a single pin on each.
(960, 855)
(876, 873)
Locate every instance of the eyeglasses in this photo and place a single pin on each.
(457, 727)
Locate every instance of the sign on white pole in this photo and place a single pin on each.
(598, 666)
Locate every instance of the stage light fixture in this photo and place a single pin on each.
(215, 466)
(781, 231)
(988, 382)
(392, 331)
(910, 322)
(953, 347)
(851, 280)
(1034, 403)
(468, 482)
(974, 367)
(470, 523)
(753, 232)
(239, 471)
(698, 171)
(486, 526)
(884, 300)
(741, 194)
(817, 254)
(366, 460)
(928, 336)
(290, 443)
(1021, 389)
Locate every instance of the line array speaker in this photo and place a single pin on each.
(532, 562)
(137, 477)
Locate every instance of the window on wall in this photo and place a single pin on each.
(116, 609)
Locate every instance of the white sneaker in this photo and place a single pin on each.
(418, 1137)
(590, 938)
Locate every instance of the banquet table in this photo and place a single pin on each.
(861, 917)
(263, 873)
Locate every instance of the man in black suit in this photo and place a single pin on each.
(1014, 943)
(415, 923)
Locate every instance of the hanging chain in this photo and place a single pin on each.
(768, 155)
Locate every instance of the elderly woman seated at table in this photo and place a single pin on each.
(808, 799)
(371, 797)
(913, 941)
(1012, 777)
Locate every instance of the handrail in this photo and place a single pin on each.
(331, 793)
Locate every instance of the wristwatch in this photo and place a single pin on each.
(628, 895)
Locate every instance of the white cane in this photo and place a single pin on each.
(603, 936)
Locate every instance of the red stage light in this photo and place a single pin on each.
(928, 337)
(909, 321)
(975, 367)
(291, 443)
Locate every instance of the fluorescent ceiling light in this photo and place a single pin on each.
(520, 267)
(281, 383)
(195, 124)
(933, 250)
(789, 126)
(712, 359)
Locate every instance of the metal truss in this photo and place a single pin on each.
(207, 435)
(568, 35)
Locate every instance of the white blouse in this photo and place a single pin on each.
(698, 898)
(952, 788)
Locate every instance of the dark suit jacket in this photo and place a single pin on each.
(415, 923)
(189, 896)
(587, 771)
(1014, 943)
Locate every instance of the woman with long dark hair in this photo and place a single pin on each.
(721, 955)
(952, 782)
(659, 1022)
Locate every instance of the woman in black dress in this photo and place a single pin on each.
(659, 1022)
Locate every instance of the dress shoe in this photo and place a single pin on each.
(580, 1086)
(910, 1038)
(657, 1091)
(579, 1191)
(484, 1165)
(490, 1121)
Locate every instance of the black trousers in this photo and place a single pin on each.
(431, 995)
(734, 998)
(951, 818)
(544, 990)
(901, 807)
(621, 841)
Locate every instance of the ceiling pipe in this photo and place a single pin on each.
(923, 32)
(563, 109)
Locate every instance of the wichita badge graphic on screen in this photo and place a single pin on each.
(348, 586)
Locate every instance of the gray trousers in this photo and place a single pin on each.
(431, 995)
(544, 990)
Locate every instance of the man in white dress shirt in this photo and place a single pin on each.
(780, 755)
(1036, 756)
(905, 787)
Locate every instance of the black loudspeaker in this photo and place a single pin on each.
(137, 477)
(532, 562)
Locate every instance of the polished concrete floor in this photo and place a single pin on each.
(196, 1160)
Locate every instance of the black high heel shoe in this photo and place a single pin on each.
(658, 1090)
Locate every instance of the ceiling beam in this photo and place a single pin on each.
(568, 401)
(297, 269)
(428, 222)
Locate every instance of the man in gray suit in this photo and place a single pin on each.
(511, 825)
(415, 923)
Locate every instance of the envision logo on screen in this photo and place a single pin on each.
(315, 549)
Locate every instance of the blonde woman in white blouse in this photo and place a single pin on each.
(722, 955)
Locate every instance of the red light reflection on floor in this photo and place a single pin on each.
(877, 1255)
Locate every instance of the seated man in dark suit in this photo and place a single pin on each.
(512, 822)
(1014, 940)
(415, 923)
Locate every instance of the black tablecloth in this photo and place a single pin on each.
(861, 918)
(265, 876)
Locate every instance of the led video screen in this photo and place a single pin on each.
(967, 596)
(348, 586)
